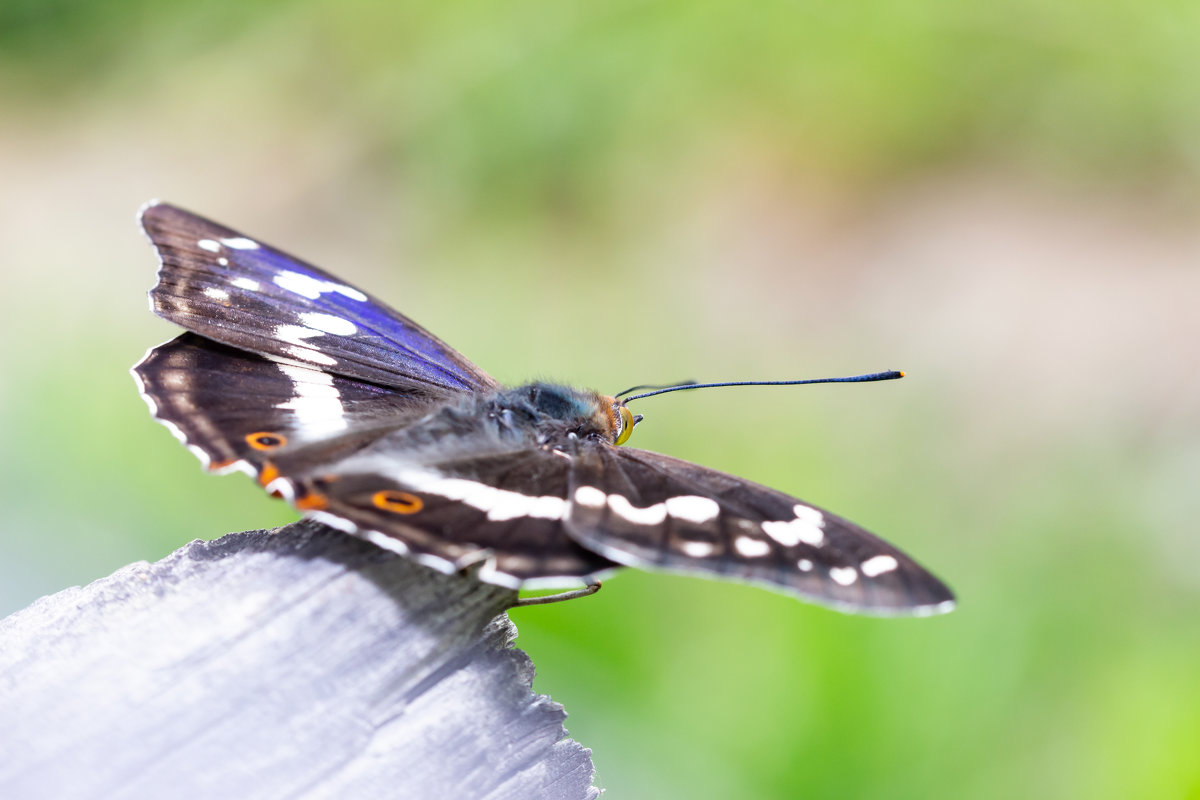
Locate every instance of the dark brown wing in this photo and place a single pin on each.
(238, 291)
(655, 512)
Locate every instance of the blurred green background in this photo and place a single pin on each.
(1000, 199)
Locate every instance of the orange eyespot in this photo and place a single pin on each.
(312, 502)
(266, 440)
(626, 425)
(397, 502)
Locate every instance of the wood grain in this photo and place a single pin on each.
(297, 663)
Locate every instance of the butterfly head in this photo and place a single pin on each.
(621, 418)
(580, 414)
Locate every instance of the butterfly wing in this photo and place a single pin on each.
(367, 421)
(455, 500)
(651, 511)
(238, 410)
(314, 387)
(355, 456)
(235, 290)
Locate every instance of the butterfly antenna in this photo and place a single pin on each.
(890, 375)
(641, 386)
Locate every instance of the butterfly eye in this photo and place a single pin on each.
(626, 425)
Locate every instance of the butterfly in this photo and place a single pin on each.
(369, 423)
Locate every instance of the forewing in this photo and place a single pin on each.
(495, 509)
(236, 290)
(238, 410)
(651, 511)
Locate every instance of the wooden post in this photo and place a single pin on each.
(297, 663)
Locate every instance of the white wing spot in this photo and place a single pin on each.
(349, 291)
(590, 497)
(313, 288)
(249, 284)
(806, 527)
(692, 508)
(809, 513)
(216, 293)
(793, 532)
(310, 355)
(329, 323)
(651, 515)
(697, 549)
(500, 504)
(304, 285)
(284, 487)
(878, 565)
(751, 548)
(688, 507)
(339, 523)
(843, 575)
(383, 540)
(296, 334)
(240, 243)
(316, 401)
(805, 565)
(510, 505)
(209, 245)
(223, 261)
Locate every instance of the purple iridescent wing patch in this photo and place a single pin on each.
(241, 292)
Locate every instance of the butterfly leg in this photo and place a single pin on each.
(591, 588)
(471, 562)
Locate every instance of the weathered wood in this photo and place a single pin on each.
(299, 663)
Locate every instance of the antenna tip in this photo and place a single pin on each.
(901, 372)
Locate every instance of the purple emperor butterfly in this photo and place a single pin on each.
(369, 423)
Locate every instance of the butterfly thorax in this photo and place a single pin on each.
(538, 415)
(553, 414)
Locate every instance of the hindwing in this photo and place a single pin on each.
(500, 509)
(651, 511)
(238, 410)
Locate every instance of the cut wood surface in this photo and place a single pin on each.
(297, 663)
